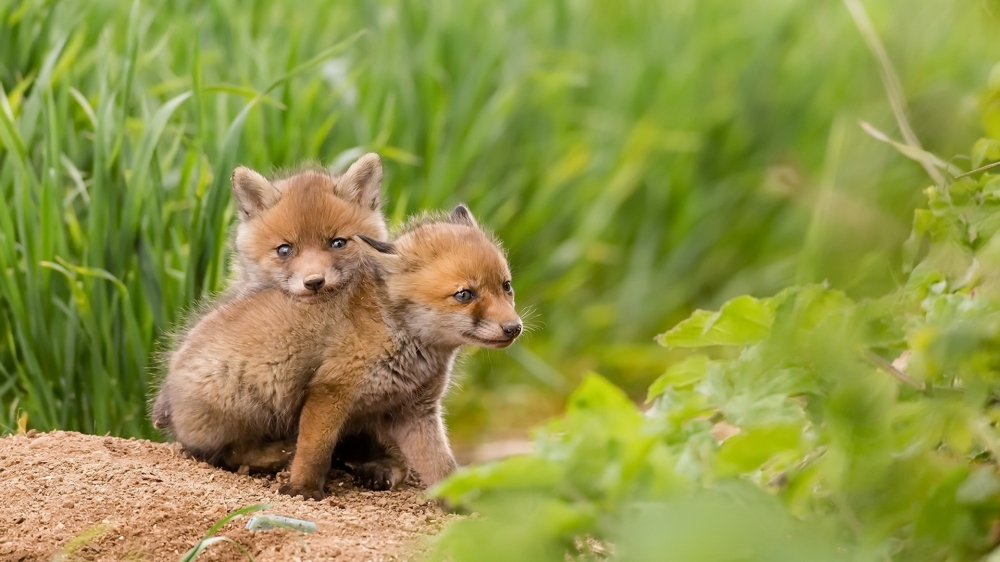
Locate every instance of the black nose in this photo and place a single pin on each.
(314, 283)
(511, 329)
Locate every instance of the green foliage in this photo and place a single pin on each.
(808, 425)
(740, 321)
(638, 159)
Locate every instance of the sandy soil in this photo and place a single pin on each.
(104, 498)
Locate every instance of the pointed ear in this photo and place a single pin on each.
(362, 182)
(383, 253)
(378, 245)
(462, 215)
(254, 194)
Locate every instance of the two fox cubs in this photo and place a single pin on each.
(335, 330)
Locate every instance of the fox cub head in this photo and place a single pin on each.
(449, 283)
(292, 233)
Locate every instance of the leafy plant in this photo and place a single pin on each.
(806, 425)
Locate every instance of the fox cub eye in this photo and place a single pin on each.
(284, 251)
(507, 288)
(463, 296)
(338, 243)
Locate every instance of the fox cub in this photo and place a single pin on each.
(263, 220)
(268, 373)
(365, 459)
(446, 283)
(290, 237)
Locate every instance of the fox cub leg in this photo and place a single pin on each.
(423, 441)
(264, 457)
(323, 414)
(374, 461)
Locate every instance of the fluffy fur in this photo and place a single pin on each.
(306, 211)
(266, 376)
(278, 213)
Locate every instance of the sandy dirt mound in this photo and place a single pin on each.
(139, 500)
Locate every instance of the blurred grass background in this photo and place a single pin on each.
(639, 158)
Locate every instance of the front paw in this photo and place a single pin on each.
(307, 492)
(377, 475)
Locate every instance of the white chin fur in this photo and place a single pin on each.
(301, 292)
(483, 340)
(492, 344)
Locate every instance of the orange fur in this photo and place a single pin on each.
(298, 211)
(268, 375)
(306, 211)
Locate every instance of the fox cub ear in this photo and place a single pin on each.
(378, 245)
(362, 182)
(383, 253)
(462, 215)
(253, 192)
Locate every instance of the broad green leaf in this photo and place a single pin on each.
(515, 473)
(679, 375)
(749, 450)
(599, 395)
(741, 321)
(980, 486)
(815, 304)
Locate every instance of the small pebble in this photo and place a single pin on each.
(68, 505)
(31, 433)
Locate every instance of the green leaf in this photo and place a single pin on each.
(679, 375)
(984, 151)
(979, 487)
(599, 395)
(749, 450)
(514, 473)
(741, 321)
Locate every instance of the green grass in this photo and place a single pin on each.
(209, 539)
(639, 158)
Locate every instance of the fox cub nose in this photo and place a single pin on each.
(314, 282)
(511, 329)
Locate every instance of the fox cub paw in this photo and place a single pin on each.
(307, 492)
(377, 475)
